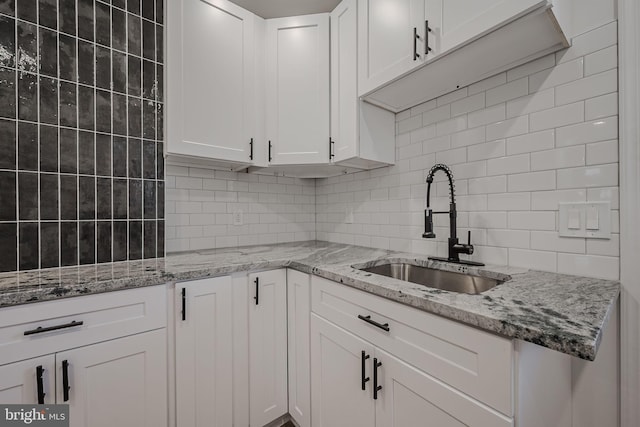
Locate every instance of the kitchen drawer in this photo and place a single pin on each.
(104, 316)
(475, 362)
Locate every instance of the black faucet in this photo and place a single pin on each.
(455, 247)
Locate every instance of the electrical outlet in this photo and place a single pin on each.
(349, 216)
(238, 217)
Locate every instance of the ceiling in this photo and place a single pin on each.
(280, 8)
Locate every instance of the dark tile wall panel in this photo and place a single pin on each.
(81, 141)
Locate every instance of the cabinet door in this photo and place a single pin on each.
(267, 346)
(20, 382)
(298, 89)
(210, 79)
(454, 22)
(337, 377)
(204, 354)
(411, 398)
(122, 382)
(386, 40)
(344, 80)
(299, 311)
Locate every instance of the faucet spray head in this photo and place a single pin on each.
(428, 225)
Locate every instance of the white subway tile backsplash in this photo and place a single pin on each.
(467, 105)
(589, 176)
(452, 157)
(535, 141)
(452, 96)
(412, 123)
(487, 115)
(509, 202)
(589, 265)
(508, 128)
(508, 238)
(556, 117)
(548, 200)
(606, 194)
(550, 241)
(447, 127)
(589, 87)
(537, 101)
(488, 220)
(584, 133)
(534, 260)
(437, 115)
(534, 181)
(506, 92)
(602, 60)
(559, 158)
(606, 247)
(602, 106)
(602, 152)
(487, 150)
(560, 74)
(494, 184)
(468, 137)
(508, 165)
(532, 220)
(436, 144)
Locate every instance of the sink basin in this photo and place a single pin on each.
(433, 278)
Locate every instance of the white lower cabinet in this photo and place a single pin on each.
(299, 312)
(204, 353)
(28, 382)
(267, 346)
(103, 355)
(121, 382)
(339, 369)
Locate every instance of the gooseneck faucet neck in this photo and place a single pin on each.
(455, 248)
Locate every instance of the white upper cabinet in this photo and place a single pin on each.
(457, 43)
(297, 80)
(388, 33)
(363, 135)
(210, 73)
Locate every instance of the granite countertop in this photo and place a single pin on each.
(564, 313)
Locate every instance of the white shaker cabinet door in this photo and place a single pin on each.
(122, 382)
(210, 73)
(341, 381)
(298, 89)
(28, 382)
(387, 46)
(267, 346)
(204, 353)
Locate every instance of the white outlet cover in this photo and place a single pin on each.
(603, 214)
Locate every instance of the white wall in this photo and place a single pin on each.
(518, 143)
(200, 204)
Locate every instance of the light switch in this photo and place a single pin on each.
(593, 218)
(573, 222)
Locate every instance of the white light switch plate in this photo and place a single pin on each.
(594, 220)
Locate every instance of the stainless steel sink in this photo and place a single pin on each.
(439, 279)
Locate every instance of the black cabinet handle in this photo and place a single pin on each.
(40, 384)
(269, 150)
(376, 387)
(65, 380)
(40, 329)
(331, 142)
(416, 55)
(363, 379)
(251, 149)
(427, 30)
(184, 304)
(257, 282)
(368, 319)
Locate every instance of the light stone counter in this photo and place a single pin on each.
(564, 313)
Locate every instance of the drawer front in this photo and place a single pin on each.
(103, 316)
(475, 362)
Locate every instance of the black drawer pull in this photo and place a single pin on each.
(257, 297)
(65, 380)
(184, 304)
(427, 30)
(376, 387)
(364, 380)
(40, 329)
(374, 323)
(40, 384)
